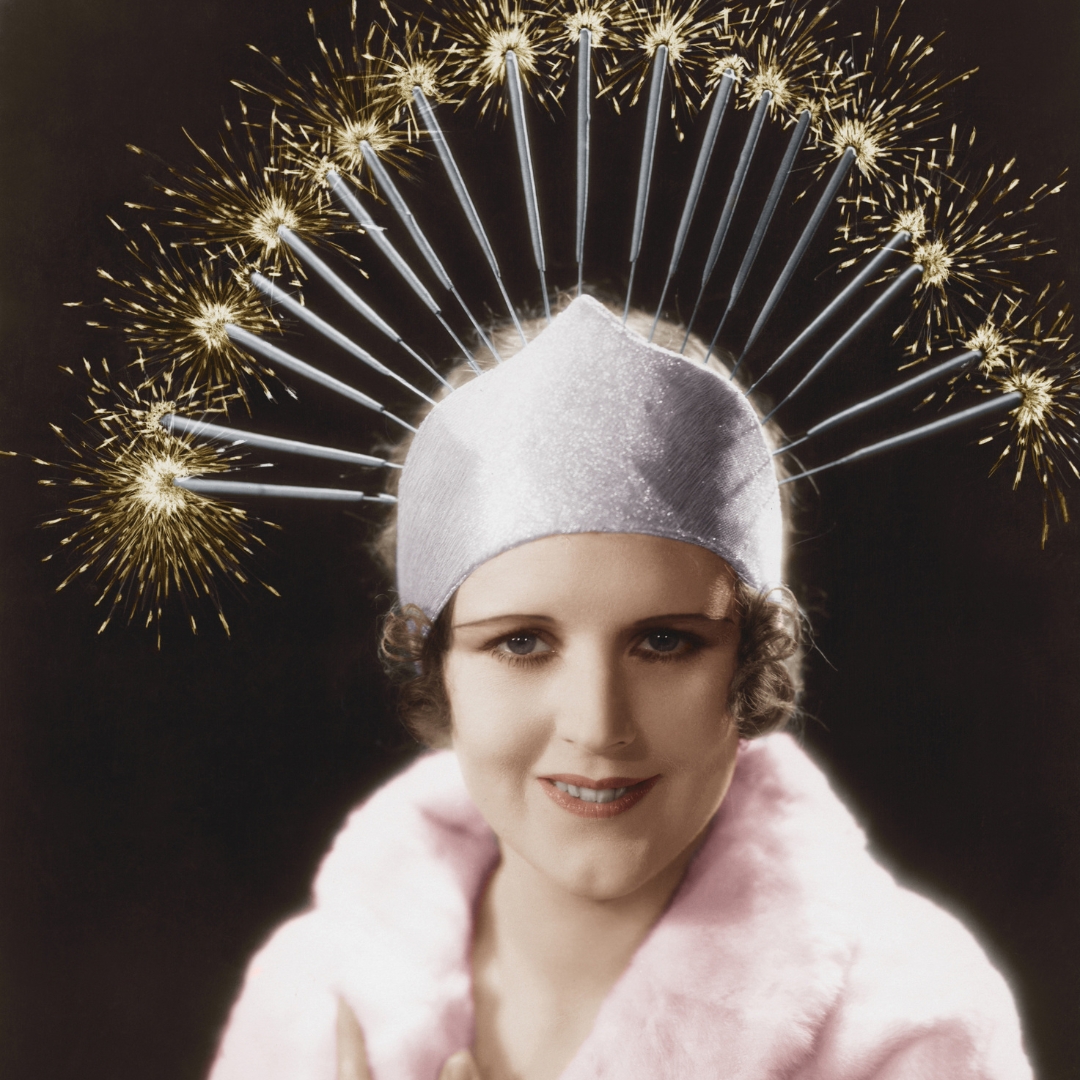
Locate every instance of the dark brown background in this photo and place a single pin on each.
(159, 812)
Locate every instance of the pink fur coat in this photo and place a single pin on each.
(787, 952)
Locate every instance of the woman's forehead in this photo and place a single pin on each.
(625, 575)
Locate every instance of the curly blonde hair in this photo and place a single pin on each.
(764, 692)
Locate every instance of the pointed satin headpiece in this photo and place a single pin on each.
(589, 428)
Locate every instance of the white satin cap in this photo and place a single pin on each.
(589, 428)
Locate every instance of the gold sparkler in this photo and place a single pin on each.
(566, 22)
(968, 239)
(691, 31)
(1042, 429)
(784, 53)
(139, 535)
(482, 32)
(330, 116)
(880, 110)
(405, 60)
(237, 202)
(176, 314)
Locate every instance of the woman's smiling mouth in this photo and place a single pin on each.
(597, 798)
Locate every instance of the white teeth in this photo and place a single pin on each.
(596, 795)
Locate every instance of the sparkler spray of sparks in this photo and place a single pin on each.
(132, 529)
(237, 203)
(1037, 361)
(175, 312)
(873, 131)
(684, 31)
(971, 240)
(336, 117)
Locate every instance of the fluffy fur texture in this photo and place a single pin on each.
(787, 952)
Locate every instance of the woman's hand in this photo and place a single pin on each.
(352, 1053)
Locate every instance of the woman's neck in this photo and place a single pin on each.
(544, 959)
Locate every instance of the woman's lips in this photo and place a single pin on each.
(636, 790)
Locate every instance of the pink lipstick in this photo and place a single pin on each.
(606, 798)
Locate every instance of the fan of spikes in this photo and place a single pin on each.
(291, 191)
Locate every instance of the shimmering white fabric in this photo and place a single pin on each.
(588, 429)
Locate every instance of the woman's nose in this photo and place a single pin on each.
(594, 710)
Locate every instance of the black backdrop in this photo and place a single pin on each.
(160, 811)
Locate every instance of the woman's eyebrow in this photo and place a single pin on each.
(689, 616)
(512, 617)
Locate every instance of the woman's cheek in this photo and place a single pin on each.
(496, 730)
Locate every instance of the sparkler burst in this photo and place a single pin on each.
(1042, 429)
(879, 110)
(690, 31)
(785, 60)
(332, 115)
(139, 535)
(482, 32)
(968, 238)
(599, 17)
(566, 22)
(404, 60)
(237, 202)
(176, 314)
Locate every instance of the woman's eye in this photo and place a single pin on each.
(663, 641)
(523, 645)
(662, 644)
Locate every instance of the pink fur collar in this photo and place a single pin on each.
(786, 952)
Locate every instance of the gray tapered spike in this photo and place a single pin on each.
(187, 425)
(387, 186)
(843, 167)
(987, 408)
(871, 313)
(314, 262)
(957, 364)
(746, 156)
(697, 182)
(457, 182)
(528, 174)
(277, 295)
(240, 488)
(645, 168)
(834, 305)
(378, 235)
(584, 121)
(278, 356)
(763, 222)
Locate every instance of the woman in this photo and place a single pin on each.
(606, 876)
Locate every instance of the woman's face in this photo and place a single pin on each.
(588, 679)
